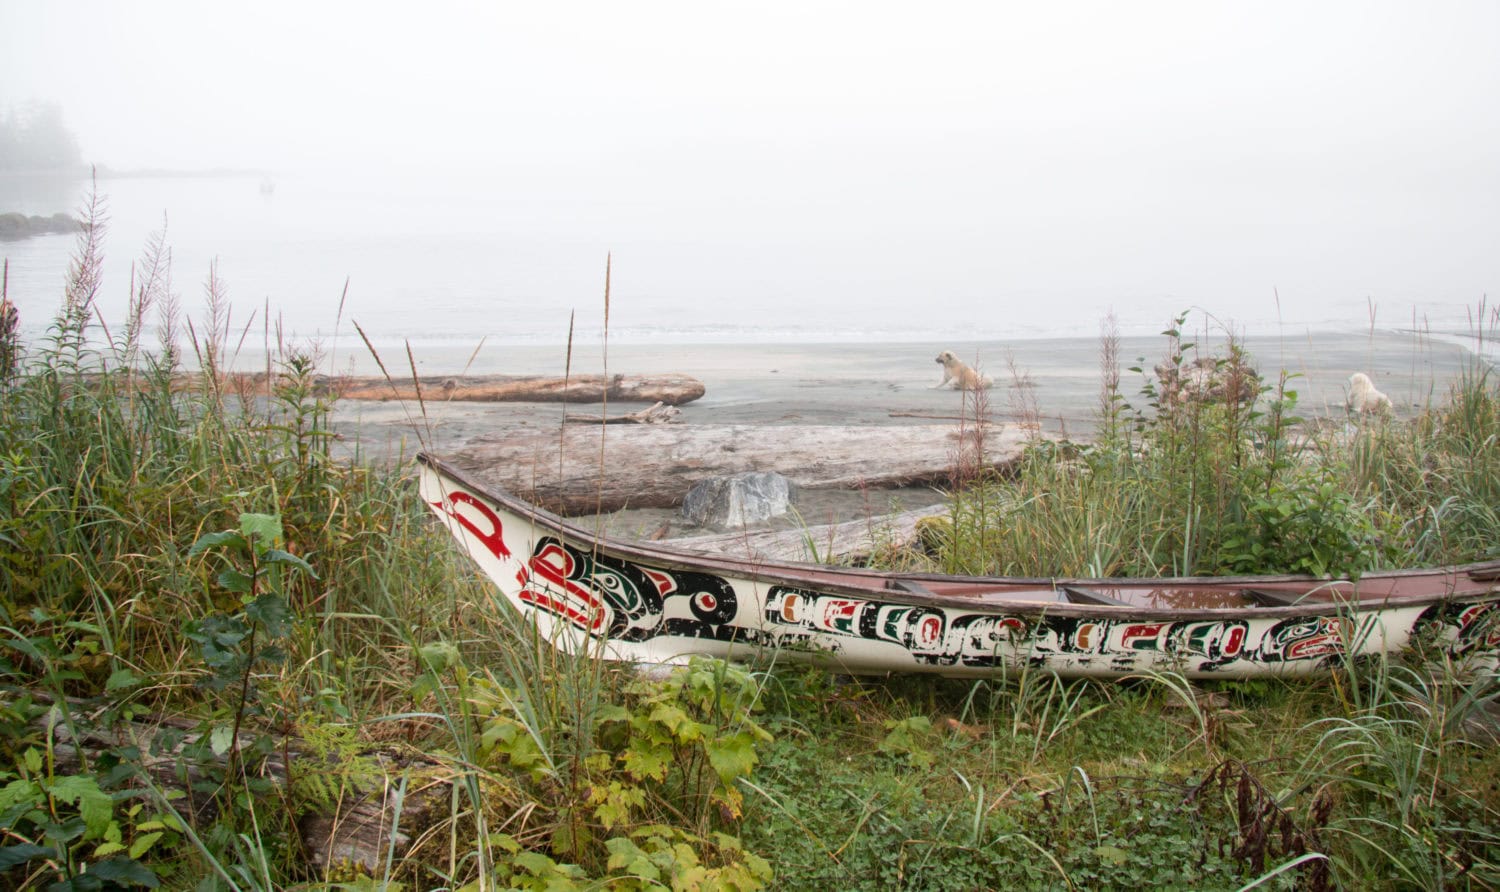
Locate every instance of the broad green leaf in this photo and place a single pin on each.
(271, 611)
(15, 856)
(611, 712)
(642, 762)
(124, 872)
(214, 540)
(94, 805)
(235, 581)
(732, 756)
(277, 556)
(220, 739)
(264, 529)
(674, 719)
(18, 791)
(438, 656)
(143, 843)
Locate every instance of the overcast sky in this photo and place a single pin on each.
(1364, 135)
(1262, 90)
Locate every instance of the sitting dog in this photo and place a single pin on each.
(1363, 397)
(960, 374)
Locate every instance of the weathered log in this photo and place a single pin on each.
(654, 466)
(826, 543)
(361, 829)
(657, 413)
(671, 388)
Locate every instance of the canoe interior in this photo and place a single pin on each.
(1207, 595)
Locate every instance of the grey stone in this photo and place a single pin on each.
(738, 500)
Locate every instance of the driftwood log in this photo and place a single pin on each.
(402, 796)
(654, 466)
(670, 388)
(826, 543)
(656, 413)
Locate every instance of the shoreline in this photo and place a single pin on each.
(887, 384)
(874, 384)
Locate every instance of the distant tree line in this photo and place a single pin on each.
(35, 139)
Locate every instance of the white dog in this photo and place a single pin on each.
(1363, 397)
(960, 374)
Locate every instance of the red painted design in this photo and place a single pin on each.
(590, 621)
(1324, 641)
(576, 604)
(929, 631)
(1474, 617)
(1141, 636)
(493, 540)
(838, 615)
(664, 582)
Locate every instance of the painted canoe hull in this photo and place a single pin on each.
(642, 603)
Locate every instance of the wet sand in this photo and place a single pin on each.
(874, 384)
(861, 384)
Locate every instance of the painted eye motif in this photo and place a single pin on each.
(615, 587)
(718, 606)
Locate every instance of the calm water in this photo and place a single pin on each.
(442, 261)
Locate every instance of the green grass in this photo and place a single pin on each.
(559, 772)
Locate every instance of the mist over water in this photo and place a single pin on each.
(776, 173)
(435, 258)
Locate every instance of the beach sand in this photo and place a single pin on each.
(874, 384)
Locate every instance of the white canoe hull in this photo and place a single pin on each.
(645, 604)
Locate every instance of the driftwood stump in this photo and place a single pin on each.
(401, 796)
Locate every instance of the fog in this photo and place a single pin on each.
(1108, 154)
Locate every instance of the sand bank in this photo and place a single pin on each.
(888, 383)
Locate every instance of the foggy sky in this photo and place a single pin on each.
(1351, 146)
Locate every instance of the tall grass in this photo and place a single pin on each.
(1233, 480)
(564, 772)
(117, 458)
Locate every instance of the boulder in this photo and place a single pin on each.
(738, 500)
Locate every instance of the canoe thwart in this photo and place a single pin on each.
(908, 586)
(1267, 597)
(1079, 595)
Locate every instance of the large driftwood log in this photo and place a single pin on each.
(671, 388)
(826, 543)
(654, 466)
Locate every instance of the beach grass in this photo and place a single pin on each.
(198, 553)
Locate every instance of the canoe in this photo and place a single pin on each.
(648, 603)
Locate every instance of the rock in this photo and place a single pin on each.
(738, 500)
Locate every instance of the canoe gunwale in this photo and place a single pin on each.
(868, 584)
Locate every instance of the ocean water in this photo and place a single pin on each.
(443, 262)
